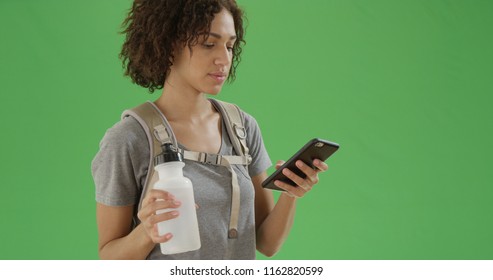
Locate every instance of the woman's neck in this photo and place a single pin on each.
(183, 105)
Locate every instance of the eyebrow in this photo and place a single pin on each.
(219, 36)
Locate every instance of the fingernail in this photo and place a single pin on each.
(169, 235)
(299, 164)
(175, 213)
(176, 203)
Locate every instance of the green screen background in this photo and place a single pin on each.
(403, 86)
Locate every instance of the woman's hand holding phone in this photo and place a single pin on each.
(303, 185)
(300, 173)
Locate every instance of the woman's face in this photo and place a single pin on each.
(206, 68)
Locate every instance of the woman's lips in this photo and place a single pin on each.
(219, 77)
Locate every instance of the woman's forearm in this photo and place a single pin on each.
(135, 246)
(275, 228)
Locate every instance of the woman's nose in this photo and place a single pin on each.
(222, 56)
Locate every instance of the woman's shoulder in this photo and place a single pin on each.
(252, 127)
(249, 120)
(126, 132)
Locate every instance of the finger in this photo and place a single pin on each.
(156, 238)
(151, 208)
(309, 172)
(159, 194)
(163, 204)
(155, 194)
(154, 219)
(162, 239)
(320, 165)
(296, 179)
(290, 190)
(279, 163)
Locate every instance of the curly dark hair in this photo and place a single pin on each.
(154, 28)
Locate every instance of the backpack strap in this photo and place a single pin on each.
(158, 131)
(234, 126)
(237, 134)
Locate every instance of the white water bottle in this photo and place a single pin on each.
(185, 228)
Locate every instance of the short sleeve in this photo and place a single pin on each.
(260, 158)
(120, 166)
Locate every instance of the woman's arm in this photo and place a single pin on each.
(273, 222)
(117, 240)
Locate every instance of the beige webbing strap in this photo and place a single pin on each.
(234, 126)
(237, 135)
(149, 116)
(235, 203)
(228, 162)
(158, 131)
(214, 158)
(162, 131)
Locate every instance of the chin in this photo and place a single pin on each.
(213, 91)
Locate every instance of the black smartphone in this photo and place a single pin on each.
(315, 149)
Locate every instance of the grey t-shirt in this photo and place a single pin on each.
(120, 167)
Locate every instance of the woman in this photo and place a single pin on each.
(188, 48)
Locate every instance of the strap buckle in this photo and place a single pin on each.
(210, 158)
(161, 134)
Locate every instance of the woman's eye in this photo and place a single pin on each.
(230, 49)
(208, 45)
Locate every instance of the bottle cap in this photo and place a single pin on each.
(169, 154)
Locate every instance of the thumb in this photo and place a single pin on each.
(279, 163)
